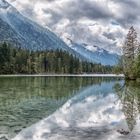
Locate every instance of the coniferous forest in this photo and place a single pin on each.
(21, 61)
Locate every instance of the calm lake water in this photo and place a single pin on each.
(69, 108)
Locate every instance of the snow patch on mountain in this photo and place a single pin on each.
(18, 29)
(95, 54)
(91, 48)
(3, 4)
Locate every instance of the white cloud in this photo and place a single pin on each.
(99, 22)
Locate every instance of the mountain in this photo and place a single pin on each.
(22, 32)
(95, 54)
(15, 28)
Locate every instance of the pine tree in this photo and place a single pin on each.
(129, 52)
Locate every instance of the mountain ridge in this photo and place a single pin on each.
(21, 31)
(28, 30)
(94, 53)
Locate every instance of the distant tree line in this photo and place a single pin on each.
(21, 61)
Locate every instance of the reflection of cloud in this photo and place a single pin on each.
(89, 115)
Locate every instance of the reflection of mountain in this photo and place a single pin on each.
(94, 113)
(26, 100)
(24, 88)
(130, 98)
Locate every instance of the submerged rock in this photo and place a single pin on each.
(123, 132)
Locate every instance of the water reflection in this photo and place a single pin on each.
(129, 95)
(84, 108)
(26, 100)
(95, 112)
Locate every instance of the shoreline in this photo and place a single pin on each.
(63, 75)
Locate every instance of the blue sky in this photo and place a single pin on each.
(95, 22)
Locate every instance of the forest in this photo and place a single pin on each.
(22, 61)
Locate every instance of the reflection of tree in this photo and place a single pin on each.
(130, 99)
(25, 100)
(16, 90)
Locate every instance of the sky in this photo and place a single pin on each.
(104, 23)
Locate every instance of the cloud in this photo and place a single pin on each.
(127, 11)
(99, 22)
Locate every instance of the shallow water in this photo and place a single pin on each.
(53, 108)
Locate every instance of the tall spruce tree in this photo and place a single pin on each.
(129, 52)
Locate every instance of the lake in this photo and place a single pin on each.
(69, 108)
